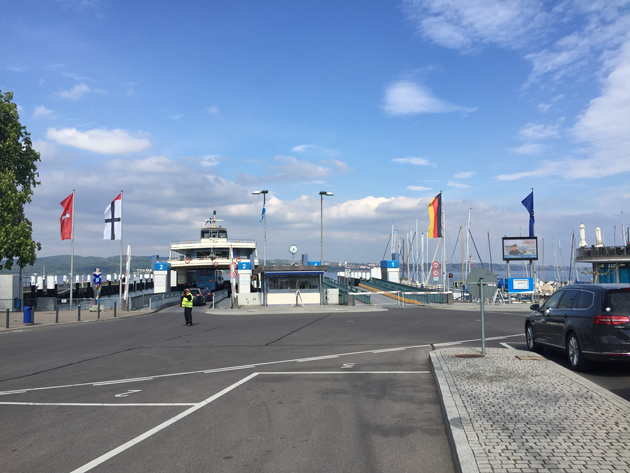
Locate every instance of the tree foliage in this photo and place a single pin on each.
(18, 178)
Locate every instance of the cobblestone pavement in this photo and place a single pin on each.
(514, 411)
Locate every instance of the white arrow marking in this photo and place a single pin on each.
(131, 391)
(347, 366)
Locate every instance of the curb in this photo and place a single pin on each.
(463, 457)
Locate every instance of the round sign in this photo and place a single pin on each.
(232, 274)
(216, 263)
(473, 283)
(233, 265)
(435, 272)
(435, 265)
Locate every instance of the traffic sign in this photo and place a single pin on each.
(489, 283)
(435, 265)
(232, 274)
(435, 272)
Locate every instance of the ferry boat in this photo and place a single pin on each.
(202, 263)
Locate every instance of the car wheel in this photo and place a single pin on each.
(531, 340)
(574, 352)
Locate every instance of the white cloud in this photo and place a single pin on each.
(75, 93)
(405, 97)
(99, 140)
(464, 175)
(465, 25)
(457, 184)
(530, 148)
(413, 160)
(178, 116)
(537, 131)
(418, 188)
(544, 107)
(302, 148)
(213, 110)
(43, 112)
(211, 160)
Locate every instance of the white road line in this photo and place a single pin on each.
(120, 381)
(388, 350)
(508, 346)
(230, 368)
(344, 372)
(315, 358)
(162, 426)
(88, 404)
(476, 340)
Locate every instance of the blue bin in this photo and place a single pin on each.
(28, 315)
(17, 303)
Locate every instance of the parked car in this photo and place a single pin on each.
(198, 297)
(590, 322)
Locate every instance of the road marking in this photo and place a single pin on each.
(344, 372)
(103, 458)
(101, 404)
(315, 358)
(230, 368)
(476, 340)
(388, 350)
(508, 346)
(120, 381)
(131, 391)
(347, 366)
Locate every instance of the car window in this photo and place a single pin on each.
(553, 300)
(567, 300)
(618, 300)
(584, 300)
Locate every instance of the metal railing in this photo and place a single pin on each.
(160, 300)
(602, 252)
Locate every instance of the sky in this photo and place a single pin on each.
(190, 107)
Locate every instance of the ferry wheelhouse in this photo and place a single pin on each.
(202, 263)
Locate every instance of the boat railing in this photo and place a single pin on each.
(602, 251)
(205, 240)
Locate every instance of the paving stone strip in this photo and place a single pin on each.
(510, 414)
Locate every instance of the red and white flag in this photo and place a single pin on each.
(113, 219)
(66, 217)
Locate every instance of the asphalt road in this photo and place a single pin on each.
(337, 391)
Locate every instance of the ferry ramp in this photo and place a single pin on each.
(404, 294)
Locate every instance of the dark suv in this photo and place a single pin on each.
(591, 322)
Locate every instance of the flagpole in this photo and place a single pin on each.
(72, 253)
(121, 249)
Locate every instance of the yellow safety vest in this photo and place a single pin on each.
(186, 302)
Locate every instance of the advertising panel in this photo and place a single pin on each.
(520, 248)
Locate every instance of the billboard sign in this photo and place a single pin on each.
(519, 248)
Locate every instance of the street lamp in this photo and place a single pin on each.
(321, 242)
(264, 216)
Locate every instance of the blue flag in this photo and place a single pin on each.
(528, 202)
(262, 215)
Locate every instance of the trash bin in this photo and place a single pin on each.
(17, 303)
(28, 315)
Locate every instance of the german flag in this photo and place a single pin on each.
(435, 217)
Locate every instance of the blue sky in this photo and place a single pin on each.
(190, 108)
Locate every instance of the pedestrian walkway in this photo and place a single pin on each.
(513, 411)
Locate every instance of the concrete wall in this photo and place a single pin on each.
(9, 288)
(249, 299)
(281, 298)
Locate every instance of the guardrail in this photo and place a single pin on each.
(221, 240)
(152, 301)
(400, 298)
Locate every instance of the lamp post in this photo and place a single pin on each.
(264, 216)
(321, 242)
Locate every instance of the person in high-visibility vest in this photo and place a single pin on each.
(187, 304)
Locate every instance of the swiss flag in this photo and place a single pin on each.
(66, 217)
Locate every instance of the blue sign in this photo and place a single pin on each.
(389, 264)
(161, 267)
(520, 285)
(244, 265)
(314, 263)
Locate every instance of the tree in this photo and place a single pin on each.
(18, 178)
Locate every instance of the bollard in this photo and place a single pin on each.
(32, 315)
(114, 309)
(7, 318)
(57, 314)
(79, 312)
(98, 309)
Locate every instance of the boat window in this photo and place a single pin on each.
(222, 252)
(291, 283)
(585, 300)
(618, 300)
(567, 300)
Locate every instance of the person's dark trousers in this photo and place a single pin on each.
(188, 315)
